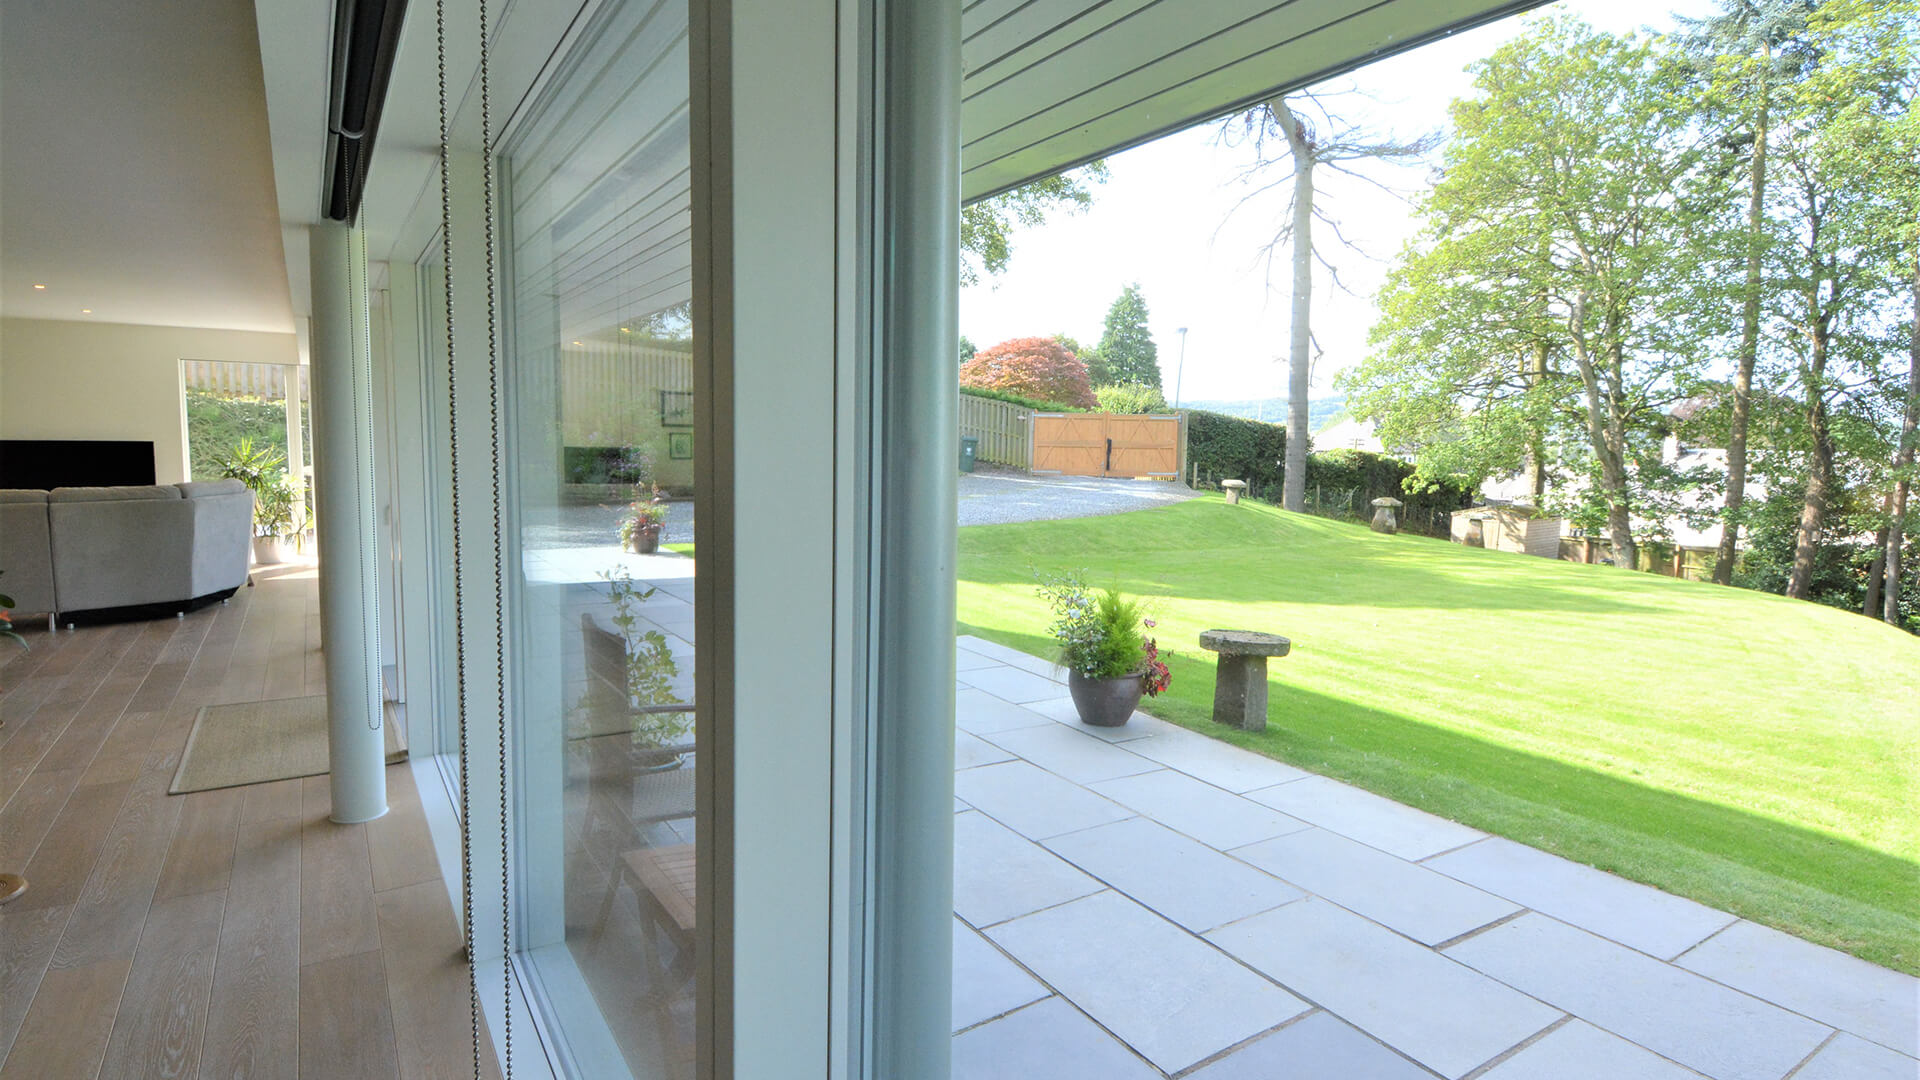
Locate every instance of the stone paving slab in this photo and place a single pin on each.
(1707, 1027)
(1011, 657)
(993, 650)
(1425, 906)
(966, 660)
(1206, 813)
(1316, 1047)
(983, 714)
(1220, 764)
(1366, 817)
(1836, 989)
(1033, 802)
(971, 751)
(1014, 684)
(1167, 994)
(1138, 726)
(999, 874)
(1580, 1051)
(1444, 1015)
(1628, 912)
(1850, 1058)
(985, 983)
(1050, 1039)
(1072, 754)
(1181, 879)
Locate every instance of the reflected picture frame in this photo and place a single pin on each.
(680, 445)
(676, 409)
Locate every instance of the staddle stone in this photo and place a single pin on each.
(1233, 488)
(1383, 519)
(1240, 678)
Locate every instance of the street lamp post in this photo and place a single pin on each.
(1181, 368)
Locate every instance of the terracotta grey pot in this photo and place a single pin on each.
(1105, 702)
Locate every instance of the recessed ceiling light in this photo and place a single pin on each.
(626, 329)
(86, 311)
(576, 343)
(39, 286)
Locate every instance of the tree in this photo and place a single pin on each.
(1097, 372)
(1870, 76)
(1551, 300)
(1127, 352)
(1834, 277)
(1313, 137)
(1034, 367)
(966, 349)
(1746, 55)
(986, 227)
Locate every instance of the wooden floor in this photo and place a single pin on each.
(227, 934)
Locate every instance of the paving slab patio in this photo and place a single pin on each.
(1147, 902)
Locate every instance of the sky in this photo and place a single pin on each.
(1176, 216)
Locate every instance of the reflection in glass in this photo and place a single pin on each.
(602, 490)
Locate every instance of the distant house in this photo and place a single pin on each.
(1349, 433)
(1687, 552)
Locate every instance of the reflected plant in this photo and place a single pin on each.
(651, 667)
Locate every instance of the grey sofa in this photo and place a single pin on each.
(168, 546)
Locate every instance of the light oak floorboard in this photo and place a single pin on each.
(163, 1014)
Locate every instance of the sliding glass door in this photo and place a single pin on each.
(600, 331)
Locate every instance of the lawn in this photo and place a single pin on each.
(1754, 753)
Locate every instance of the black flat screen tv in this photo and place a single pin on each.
(52, 463)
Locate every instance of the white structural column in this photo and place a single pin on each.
(343, 503)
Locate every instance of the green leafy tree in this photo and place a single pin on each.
(1036, 368)
(1844, 234)
(1866, 90)
(1551, 289)
(1097, 372)
(1747, 58)
(987, 226)
(966, 349)
(1127, 351)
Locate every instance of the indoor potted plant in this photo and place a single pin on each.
(644, 521)
(1110, 663)
(272, 521)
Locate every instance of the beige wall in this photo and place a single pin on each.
(84, 380)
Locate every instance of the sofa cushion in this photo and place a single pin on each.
(23, 495)
(113, 494)
(194, 489)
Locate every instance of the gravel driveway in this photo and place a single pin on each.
(997, 498)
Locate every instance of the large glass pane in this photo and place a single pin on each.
(602, 642)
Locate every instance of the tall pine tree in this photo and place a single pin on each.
(1127, 351)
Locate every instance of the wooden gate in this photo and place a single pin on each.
(1106, 444)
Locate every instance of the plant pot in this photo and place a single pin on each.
(644, 541)
(1105, 702)
(269, 551)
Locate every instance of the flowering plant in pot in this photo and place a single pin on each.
(644, 521)
(1110, 662)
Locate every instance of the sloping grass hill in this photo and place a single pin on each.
(1754, 753)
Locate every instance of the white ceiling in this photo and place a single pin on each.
(136, 177)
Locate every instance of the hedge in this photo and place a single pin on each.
(1221, 447)
(1023, 402)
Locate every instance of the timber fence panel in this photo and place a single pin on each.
(1001, 427)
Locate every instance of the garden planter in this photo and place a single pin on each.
(269, 550)
(644, 541)
(1105, 702)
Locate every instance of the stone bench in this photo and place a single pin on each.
(1240, 678)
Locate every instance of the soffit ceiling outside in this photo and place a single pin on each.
(1047, 84)
(135, 173)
